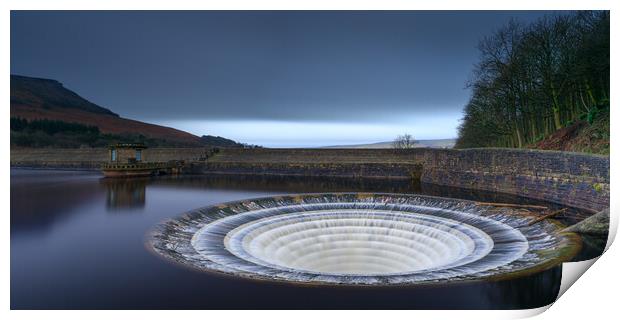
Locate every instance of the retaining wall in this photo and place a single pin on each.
(369, 163)
(93, 158)
(366, 170)
(410, 156)
(573, 179)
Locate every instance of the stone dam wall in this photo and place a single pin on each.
(93, 158)
(368, 163)
(59, 158)
(576, 180)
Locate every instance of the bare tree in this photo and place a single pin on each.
(405, 141)
(534, 79)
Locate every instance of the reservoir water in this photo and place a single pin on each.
(78, 242)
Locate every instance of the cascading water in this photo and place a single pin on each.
(362, 239)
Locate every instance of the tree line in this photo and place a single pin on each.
(534, 79)
(56, 133)
(51, 127)
(40, 133)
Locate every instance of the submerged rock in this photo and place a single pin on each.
(597, 224)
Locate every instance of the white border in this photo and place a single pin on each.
(592, 297)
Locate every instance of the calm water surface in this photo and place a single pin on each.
(77, 242)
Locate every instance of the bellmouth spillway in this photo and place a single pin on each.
(363, 239)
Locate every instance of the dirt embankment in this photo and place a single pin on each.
(579, 137)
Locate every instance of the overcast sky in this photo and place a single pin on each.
(271, 78)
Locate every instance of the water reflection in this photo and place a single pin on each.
(41, 197)
(70, 248)
(291, 184)
(125, 193)
(525, 292)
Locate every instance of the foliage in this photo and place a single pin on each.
(223, 142)
(51, 127)
(54, 133)
(532, 80)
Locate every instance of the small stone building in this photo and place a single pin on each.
(126, 153)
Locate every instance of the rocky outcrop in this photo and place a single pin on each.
(597, 224)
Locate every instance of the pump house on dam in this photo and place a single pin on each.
(128, 153)
(127, 159)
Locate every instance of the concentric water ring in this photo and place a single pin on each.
(362, 239)
(354, 242)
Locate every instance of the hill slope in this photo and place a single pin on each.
(581, 136)
(37, 99)
(434, 143)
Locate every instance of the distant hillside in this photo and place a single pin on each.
(40, 100)
(49, 95)
(435, 143)
(220, 142)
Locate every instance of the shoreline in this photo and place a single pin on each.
(574, 179)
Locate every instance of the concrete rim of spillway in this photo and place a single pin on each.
(363, 239)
